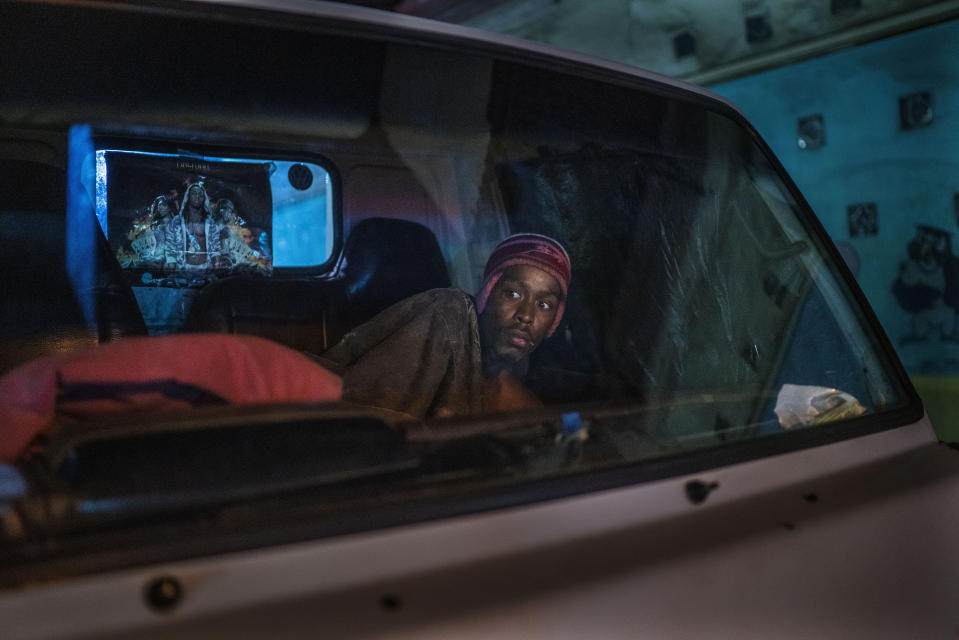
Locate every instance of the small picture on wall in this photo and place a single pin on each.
(863, 219)
(915, 110)
(927, 287)
(811, 132)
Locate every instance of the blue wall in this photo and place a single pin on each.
(912, 176)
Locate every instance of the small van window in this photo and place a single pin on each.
(302, 214)
(180, 220)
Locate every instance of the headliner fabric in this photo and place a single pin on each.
(159, 373)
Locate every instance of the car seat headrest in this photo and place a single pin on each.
(387, 260)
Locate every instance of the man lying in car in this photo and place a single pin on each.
(438, 354)
(434, 354)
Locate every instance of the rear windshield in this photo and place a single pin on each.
(700, 307)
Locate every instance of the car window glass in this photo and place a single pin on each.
(703, 311)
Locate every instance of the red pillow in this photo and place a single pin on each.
(154, 373)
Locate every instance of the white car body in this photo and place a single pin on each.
(851, 538)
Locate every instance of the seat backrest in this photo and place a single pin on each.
(40, 312)
(302, 313)
(387, 260)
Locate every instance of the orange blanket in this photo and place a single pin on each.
(159, 373)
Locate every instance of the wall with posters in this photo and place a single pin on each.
(871, 137)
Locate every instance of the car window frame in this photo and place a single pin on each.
(531, 490)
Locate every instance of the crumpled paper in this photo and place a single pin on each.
(806, 405)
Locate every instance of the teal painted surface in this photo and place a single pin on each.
(911, 175)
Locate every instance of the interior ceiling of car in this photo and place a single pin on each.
(701, 41)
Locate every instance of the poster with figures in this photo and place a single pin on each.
(927, 287)
(185, 220)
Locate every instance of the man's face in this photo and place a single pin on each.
(226, 212)
(196, 197)
(520, 310)
(247, 236)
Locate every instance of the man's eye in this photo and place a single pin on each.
(510, 293)
(546, 306)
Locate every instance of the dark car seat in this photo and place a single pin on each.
(302, 313)
(384, 261)
(387, 260)
(41, 311)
